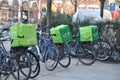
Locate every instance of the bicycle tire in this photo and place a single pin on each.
(11, 72)
(51, 55)
(85, 57)
(34, 49)
(64, 57)
(34, 62)
(9, 66)
(102, 49)
(24, 64)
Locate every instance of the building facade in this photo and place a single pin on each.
(4, 10)
(12, 9)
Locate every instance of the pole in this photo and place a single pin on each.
(19, 13)
(22, 11)
(102, 7)
(39, 10)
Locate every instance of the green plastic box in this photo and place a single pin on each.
(23, 35)
(62, 34)
(13, 36)
(88, 33)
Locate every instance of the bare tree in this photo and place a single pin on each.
(75, 3)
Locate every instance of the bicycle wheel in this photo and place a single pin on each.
(8, 66)
(24, 64)
(103, 50)
(115, 56)
(51, 58)
(10, 71)
(86, 57)
(35, 65)
(35, 50)
(5, 33)
(64, 57)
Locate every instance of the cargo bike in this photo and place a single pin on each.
(69, 45)
(22, 37)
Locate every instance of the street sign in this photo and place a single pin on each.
(112, 6)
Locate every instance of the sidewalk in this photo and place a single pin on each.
(97, 71)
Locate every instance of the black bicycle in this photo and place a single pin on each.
(28, 62)
(19, 63)
(64, 56)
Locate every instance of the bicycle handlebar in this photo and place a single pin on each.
(3, 29)
(46, 33)
(43, 28)
(4, 39)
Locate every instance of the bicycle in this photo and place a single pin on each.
(75, 48)
(11, 64)
(108, 49)
(61, 34)
(64, 57)
(23, 62)
(8, 66)
(84, 53)
(26, 59)
(46, 51)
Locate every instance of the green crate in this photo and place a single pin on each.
(89, 33)
(25, 35)
(62, 33)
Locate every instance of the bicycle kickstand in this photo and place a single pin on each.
(77, 62)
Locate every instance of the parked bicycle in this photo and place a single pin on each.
(82, 51)
(13, 65)
(8, 66)
(26, 59)
(20, 41)
(107, 46)
(75, 48)
(17, 64)
(64, 56)
(46, 51)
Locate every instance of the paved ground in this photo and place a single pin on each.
(97, 71)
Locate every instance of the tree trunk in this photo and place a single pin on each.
(75, 6)
(75, 3)
(49, 4)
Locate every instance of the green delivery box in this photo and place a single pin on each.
(62, 34)
(25, 35)
(89, 33)
(13, 36)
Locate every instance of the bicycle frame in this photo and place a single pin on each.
(40, 46)
(77, 44)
